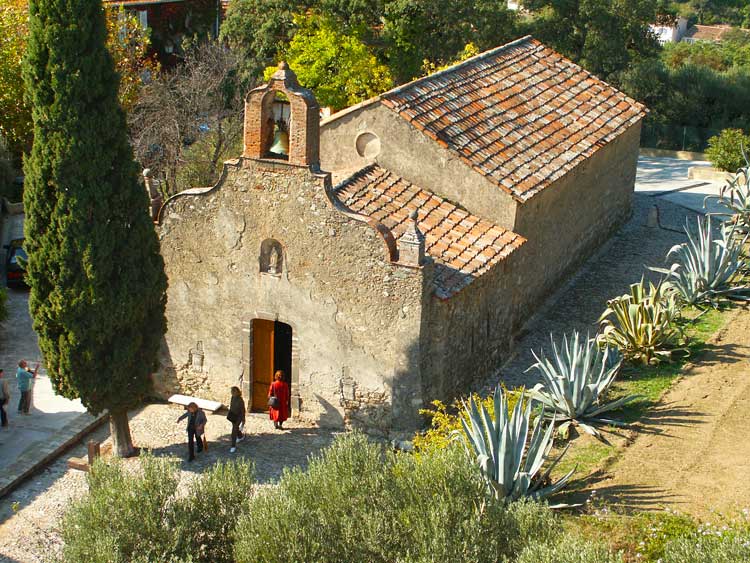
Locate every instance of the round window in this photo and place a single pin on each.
(368, 145)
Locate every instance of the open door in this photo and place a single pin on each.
(262, 362)
(272, 350)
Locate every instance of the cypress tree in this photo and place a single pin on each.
(96, 275)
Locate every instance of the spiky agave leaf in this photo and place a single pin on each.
(708, 265)
(500, 450)
(734, 196)
(640, 324)
(575, 380)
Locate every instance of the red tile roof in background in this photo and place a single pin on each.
(522, 115)
(463, 246)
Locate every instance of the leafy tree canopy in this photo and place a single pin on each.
(127, 41)
(339, 68)
(604, 37)
(257, 30)
(15, 115)
(436, 31)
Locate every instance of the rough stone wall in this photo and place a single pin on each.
(468, 335)
(413, 156)
(355, 315)
(568, 220)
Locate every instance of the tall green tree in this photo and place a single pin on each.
(338, 67)
(604, 37)
(97, 278)
(423, 33)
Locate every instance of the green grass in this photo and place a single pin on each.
(642, 537)
(651, 382)
(585, 458)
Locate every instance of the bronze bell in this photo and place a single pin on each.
(280, 143)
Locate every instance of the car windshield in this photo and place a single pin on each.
(18, 253)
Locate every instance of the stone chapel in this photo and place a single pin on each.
(386, 256)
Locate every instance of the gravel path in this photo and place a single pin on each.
(578, 304)
(691, 453)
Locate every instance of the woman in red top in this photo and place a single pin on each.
(280, 390)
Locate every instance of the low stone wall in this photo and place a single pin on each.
(708, 173)
(680, 155)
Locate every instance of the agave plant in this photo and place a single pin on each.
(709, 265)
(509, 467)
(640, 324)
(576, 378)
(735, 197)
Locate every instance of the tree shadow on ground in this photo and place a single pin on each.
(627, 498)
(271, 452)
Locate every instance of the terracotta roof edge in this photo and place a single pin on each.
(389, 241)
(350, 109)
(397, 89)
(458, 65)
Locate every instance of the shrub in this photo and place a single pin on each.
(122, 515)
(716, 547)
(575, 381)
(359, 503)
(140, 512)
(709, 266)
(642, 325)
(446, 421)
(203, 522)
(568, 550)
(725, 150)
(511, 470)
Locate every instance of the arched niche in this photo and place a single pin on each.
(271, 257)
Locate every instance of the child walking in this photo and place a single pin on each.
(196, 426)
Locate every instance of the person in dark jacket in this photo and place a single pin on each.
(236, 416)
(196, 426)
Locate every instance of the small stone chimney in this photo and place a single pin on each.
(411, 244)
(262, 117)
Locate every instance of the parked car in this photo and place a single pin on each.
(15, 262)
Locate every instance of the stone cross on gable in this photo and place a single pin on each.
(411, 243)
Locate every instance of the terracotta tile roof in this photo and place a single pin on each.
(522, 115)
(463, 246)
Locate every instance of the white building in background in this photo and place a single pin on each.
(514, 5)
(670, 33)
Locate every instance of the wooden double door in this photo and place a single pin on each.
(272, 351)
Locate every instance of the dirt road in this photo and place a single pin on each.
(692, 453)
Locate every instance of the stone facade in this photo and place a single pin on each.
(355, 315)
(407, 279)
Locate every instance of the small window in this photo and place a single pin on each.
(367, 145)
(271, 257)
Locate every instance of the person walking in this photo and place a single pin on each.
(196, 426)
(237, 417)
(4, 398)
(278, 400)
(25, 377)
